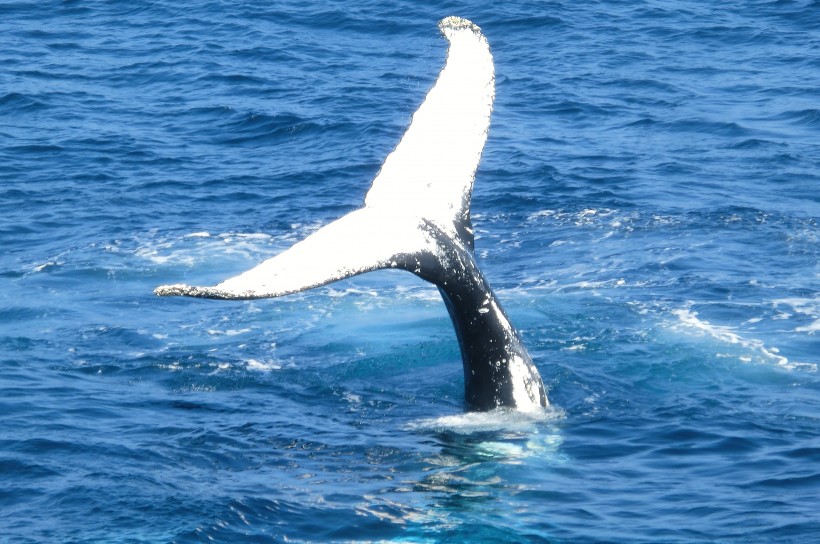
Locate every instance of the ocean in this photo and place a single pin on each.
(646, 209)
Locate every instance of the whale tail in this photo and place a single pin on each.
(416, 217)
(427, 179)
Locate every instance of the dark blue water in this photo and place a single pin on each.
(647, 209)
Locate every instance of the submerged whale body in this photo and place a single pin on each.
(416, 217)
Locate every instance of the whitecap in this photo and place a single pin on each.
(262, 366)
(752, 349)
(808, 307)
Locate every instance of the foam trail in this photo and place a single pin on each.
(725, 334)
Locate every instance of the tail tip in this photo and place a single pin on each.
(454, 24)
(177, 289)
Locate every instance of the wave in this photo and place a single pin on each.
(14, 103)
(748, 350)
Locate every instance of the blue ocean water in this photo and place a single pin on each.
(647, 209)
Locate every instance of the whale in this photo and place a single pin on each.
(416, 217)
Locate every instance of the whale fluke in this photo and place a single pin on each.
(416, 217)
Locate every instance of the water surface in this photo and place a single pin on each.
(646, 208)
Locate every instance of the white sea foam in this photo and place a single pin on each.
(499, 419)
(198, 247)
(262, 366)
(809, 307)
(590, 217)
(751, 349)
(521, 435)
(811, 329)
(228, 332)
(46, 265)
(350, 291)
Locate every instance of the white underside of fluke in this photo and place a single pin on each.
(428, 178)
